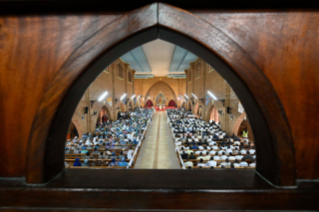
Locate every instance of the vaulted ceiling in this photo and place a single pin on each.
(159, 58)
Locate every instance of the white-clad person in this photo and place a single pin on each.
(239, 156)
(243, 163)
(130, 153)
(211, 163)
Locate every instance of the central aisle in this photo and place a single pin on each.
(158, 149)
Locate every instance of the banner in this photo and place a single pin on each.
(240, 107)
(207, 99)
(109, 100)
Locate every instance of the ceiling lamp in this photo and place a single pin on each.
(103, 96)
(212, 95)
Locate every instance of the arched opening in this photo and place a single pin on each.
(149, 104)
(160, 100)
(130, 106)
(274, 150)
(172, 103)
(104, 116)
(72, 131)
(214, 115)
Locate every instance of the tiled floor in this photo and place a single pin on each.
(158, 150)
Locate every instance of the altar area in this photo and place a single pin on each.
(160, 107)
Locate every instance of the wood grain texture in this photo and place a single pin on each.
(247, 79)
(156, 190)
(285, 45)
(32, 49)
(67, 6)
(44, 159)
(51, 59)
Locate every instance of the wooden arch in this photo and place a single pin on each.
(274, 145)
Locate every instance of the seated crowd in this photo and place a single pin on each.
(203, 144)
(112, 144)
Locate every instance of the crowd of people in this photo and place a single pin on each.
(203, 144)
(112, 144)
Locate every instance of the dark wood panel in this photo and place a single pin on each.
(156, 189)
(285, 45)
(45, 150)
(67, 6)
(256, 93)
(32, 49)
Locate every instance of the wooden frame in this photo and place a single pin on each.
(274, 146)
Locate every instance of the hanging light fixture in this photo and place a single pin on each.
(103, 96)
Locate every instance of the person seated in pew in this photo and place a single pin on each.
(221, 151)
(86, 162)
(224, 147)
(223, 143)
(88, 156)
(192, 156)
(215, 147)
(231, 157)
(248, 156)
(206, 157)
(232, 166)
(243, 151)
(67, 150)
(212, 152)
(184, 155)
(201, 163)
(102, 156)
(201, 147)
(113, 162)
(211, 143)
(96, 163)
(123, 162)
(236, 164)
(84, 151)
(216, 157)
(229, 150)
(211, 163)
(76, 150)
(223, 157)
(200, 156)
(243, 163)
(194, 146)
(205, 152)
(198, 152)
(253, 164)
(77, 162)
(252, 150)
(239, 156)
(96, 151)
(121, 156)
(188, 163)
(237, 143)
(236, 150)
(114, 156)
(225, 163)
